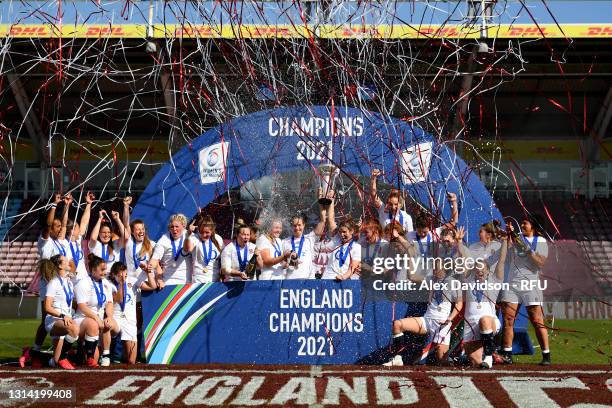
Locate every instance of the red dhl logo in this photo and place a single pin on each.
(104, 31)
(445, 32)
(198, 31)
(33, 31)
(271, 32)
(527, 31)
(360, 31)
(599, 31)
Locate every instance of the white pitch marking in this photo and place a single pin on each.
(154, 370)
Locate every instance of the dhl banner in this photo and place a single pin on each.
(230, 31)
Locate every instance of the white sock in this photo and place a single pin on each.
(487, 332)
(91, 338)
(398, 335)
(69, 339)
(545, 351)
(106, 353)
(507, 348)
(489, 360)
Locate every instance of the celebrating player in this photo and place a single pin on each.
(125, 293)
(444, 305)
(345, 253)
(392, 209)
(238, 258)
(480, 320)
(77, 232)
(527, 257)
(487, 247)
(94, 315)
(272, 258)
(58, 307)
(51, 242)
(206, 254)
(171, 252)
(101, 241)
(371, 244)
(138, 246)
(302, 246)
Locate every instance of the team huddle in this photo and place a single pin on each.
(90, 289)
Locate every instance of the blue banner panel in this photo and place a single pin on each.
(272, 322)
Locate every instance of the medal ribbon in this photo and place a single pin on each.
(69, 293)
(242, 262)
(341, 255)
(99, 293)
(299, 251)
(136, 258)
(424, 252)
(176, 252)
(60, 247)
(369, 259)
(77, 254)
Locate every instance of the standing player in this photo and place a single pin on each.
(101, 242)
(372, 245)
(302, 246)
(171, 252)
(94, 315)
(272, 258)
(51, 242)
(77, 232)
(443, 307)
(487, 247)
(527, 258)
(206, 254)
(138, 246)
(344, 261)
(237, 255)
(58, 308)
(480, 320)
(125, 293)
(392, 209)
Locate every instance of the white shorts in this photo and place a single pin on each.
(471, 328)
(128, 329)
(206, 278)
(50, 322)
(437, 334)
(524, 297)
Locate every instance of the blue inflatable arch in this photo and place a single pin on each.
(302, 138)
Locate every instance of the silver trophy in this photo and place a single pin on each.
(327, 178)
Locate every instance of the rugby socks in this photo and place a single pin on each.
(68, 342)
(91, 342)
(546, 356)
(488, 342)
(398, 343)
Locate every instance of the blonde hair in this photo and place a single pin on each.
(178, 217)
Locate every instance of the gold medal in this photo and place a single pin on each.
(479, 306)
(122, 315)
(439, 308)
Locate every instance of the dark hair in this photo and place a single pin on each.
(207, 222)
(93, 261)
(110, 243)
(117, 268)
(422, 221)
(147, 247)
(298, 217)
(537, 223)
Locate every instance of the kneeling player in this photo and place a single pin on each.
(58, 308)
(436, 322)
(481, 322)
(125, 292)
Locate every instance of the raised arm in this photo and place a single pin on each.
(320, 227)
(57, 198)
(67, 201)
(96, 230)
(501, 263)
(120, 226)
(452, 199)
(89, 198)
(373, 191)
(331, 215)
(127, 201)
(188, 244)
